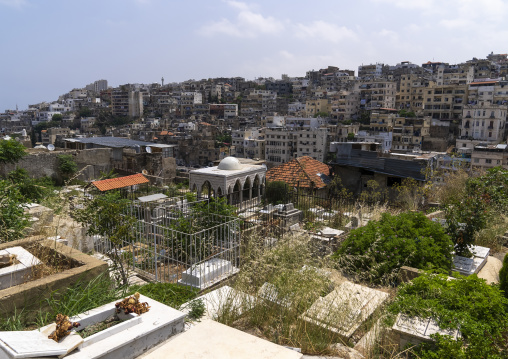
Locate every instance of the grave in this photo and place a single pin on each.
(415, 330)
(208, 273)
(35, 291)
(127, 340)
(212, 340)
(20, 271)
(270, 293)
(468, 266)
(221, 298)
(345, 309)
(288, 214)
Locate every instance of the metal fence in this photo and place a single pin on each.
(172, 242)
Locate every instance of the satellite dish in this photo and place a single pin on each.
(51, 147)
(145, 172)
(148, 149)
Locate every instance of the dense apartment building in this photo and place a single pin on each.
(410, 94)
(344, 105)
(375, 94)
(126, 102)
(409, 133)
(444, 102)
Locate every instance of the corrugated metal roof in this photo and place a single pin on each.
(111, 141)
(390, 166)
(120, 182)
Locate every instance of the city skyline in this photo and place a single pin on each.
(53, 47)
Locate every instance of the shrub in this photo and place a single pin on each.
(503, 276)
(276, 192)
(477, 309)
(376, 251)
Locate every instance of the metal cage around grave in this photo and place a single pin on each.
(172, 243)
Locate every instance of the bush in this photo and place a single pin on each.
(477, 309)
(503, 276)
(375, 252)
(276, 192)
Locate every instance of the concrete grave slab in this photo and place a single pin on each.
(345, 309)
(130, 338)
(207, 273)
(26, 344)
(330, 232)
(17, 273)
(415, 330)
(212, 340)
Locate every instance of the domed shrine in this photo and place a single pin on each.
(237, 181)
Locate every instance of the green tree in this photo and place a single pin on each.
(276, 192)
(376, 251)
(66, 166)
(13, 219)
(57, 117)
(27, 187)
(11, 151)
(84, 112)
(350, 136)
(108, 216)
(503, 276)
(477, 309)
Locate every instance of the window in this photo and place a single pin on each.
(488, 160)
(476, 160)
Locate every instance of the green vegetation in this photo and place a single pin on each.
(170, 294)
(13, 219)
(276, 192)
(11, 151)
(29, 188)
(296, 280)
(66, 166)
(107, 215)
(477, 309)
(405, 113)
(503, 276)
(375, 252)
(469, 212)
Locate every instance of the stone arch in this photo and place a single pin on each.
(247, 188)
(256, 184)
(206, 189)
(219, 192)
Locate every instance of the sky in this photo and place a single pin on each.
(49, 47)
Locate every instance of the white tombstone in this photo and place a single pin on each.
(207, 273)
(17, 273)
(345, 309)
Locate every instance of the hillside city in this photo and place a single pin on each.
(347, 213)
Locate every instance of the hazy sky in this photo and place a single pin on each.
(49, 47)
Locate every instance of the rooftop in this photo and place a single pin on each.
(120, 182)
(303, 171)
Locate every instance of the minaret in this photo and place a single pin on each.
(162, 80)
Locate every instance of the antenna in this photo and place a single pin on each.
(148, 149)
(51, 147)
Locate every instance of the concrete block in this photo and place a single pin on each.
(212, 340)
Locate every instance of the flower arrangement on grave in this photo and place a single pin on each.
(132, 305)
(63, 327)
(7, 260)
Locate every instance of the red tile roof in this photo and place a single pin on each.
(302, 171)
(166, 133)
(120, 182)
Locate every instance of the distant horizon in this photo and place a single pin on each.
(53, 47)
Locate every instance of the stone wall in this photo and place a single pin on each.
(45, 163)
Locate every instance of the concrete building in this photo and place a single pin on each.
(484, 123)
(385, 139)
(488, 156)
(126, 102)
(375, 94)
(444, 102)
(409, 133)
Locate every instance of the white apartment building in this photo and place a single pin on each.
(483, 122)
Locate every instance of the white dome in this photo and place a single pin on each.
(230, 164)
